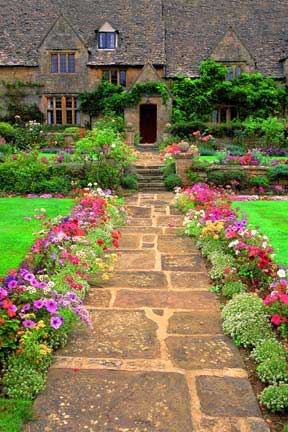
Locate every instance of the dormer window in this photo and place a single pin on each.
(107, 37)
(107, 40)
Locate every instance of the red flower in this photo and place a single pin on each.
(100, 242)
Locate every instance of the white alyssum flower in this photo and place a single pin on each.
(281, 273)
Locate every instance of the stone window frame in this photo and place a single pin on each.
(234, 70)
(62, 109)
(113, 75)
(60, 55)
(224, 111)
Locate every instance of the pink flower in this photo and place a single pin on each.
(276, 320)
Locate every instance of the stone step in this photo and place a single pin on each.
(147, 147)
(148, 168)
(150, 180)
(147, 172)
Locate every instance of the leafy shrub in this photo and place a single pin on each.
(230, 288)
(271, 129)
(273, 370)
(208, 245)
(7, 131)
(216, 177)
(235, 150)
(130, 181)
(220, 262)
(268, 349)
(172, 181)
(21, 379)
(259, 181)
(278, 172)
(246, 320)
(275, 397)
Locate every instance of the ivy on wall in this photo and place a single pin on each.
(109, 98)
(13, 94)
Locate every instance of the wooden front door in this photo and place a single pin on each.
(148, 123)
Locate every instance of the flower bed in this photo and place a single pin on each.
(243, 270)
(42, 300)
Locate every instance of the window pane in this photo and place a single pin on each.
(69, 117)
(77, 102)
(238, 71)
(77, 117)
(58, 102)
(54, 63)
(234, 113)
(68, 102)
(102, 41)
(215, 116)
(223, 115)
(106, 75)
(123, 78)
(114, 77)
(63, 66)
(58, 117)
(50, 117)
(230, 74)
(50, 103)
(111, 40)
(71, 63)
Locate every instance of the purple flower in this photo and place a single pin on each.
(26, 307)
(56, 322)
(12, 284)
(28, 324)
(72, 296)
(28, 277)
(51, 306)
(38, 304)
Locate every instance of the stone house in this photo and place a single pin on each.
(68, 46)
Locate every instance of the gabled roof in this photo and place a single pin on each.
(139, 22)
(176, 33)
(193, 27)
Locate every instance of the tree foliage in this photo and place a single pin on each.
(252, 94)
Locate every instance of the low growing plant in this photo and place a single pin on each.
(246, 320)
(275, 398)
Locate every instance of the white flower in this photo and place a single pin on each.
(281, 273)
(89, 184)
(254, 232)
(51, 284)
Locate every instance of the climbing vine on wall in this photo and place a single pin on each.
(109, 98)
(13, 94)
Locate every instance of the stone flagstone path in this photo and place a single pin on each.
(157, 359)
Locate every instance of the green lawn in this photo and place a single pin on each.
(271, 217)
(16, 233)
(13, 414)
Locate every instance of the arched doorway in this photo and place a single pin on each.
(148, 123)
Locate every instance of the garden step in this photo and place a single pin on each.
(150, 179)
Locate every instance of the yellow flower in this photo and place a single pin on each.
(40, 324)
(44, 349)
(105, 276)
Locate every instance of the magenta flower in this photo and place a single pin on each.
(12, 284)
(26, 307)
(3, 293)
(38, 304)
(29, 277)
(56, 322)
(28, 324)
(51, 306)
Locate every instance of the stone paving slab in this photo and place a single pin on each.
(203, 352)
(98, 298)
(192, 263)
(166, 299)
(175, 245)
(195, 323)
(226, 397)
(137, 280)
(135, 260)
(109, 401)
(137, 211)
(135, 222)
(115, 334)
(130, 241)
(172, 221)
(188, 280)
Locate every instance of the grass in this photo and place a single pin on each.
(13, 414)
(16, 233)
(271, 217)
